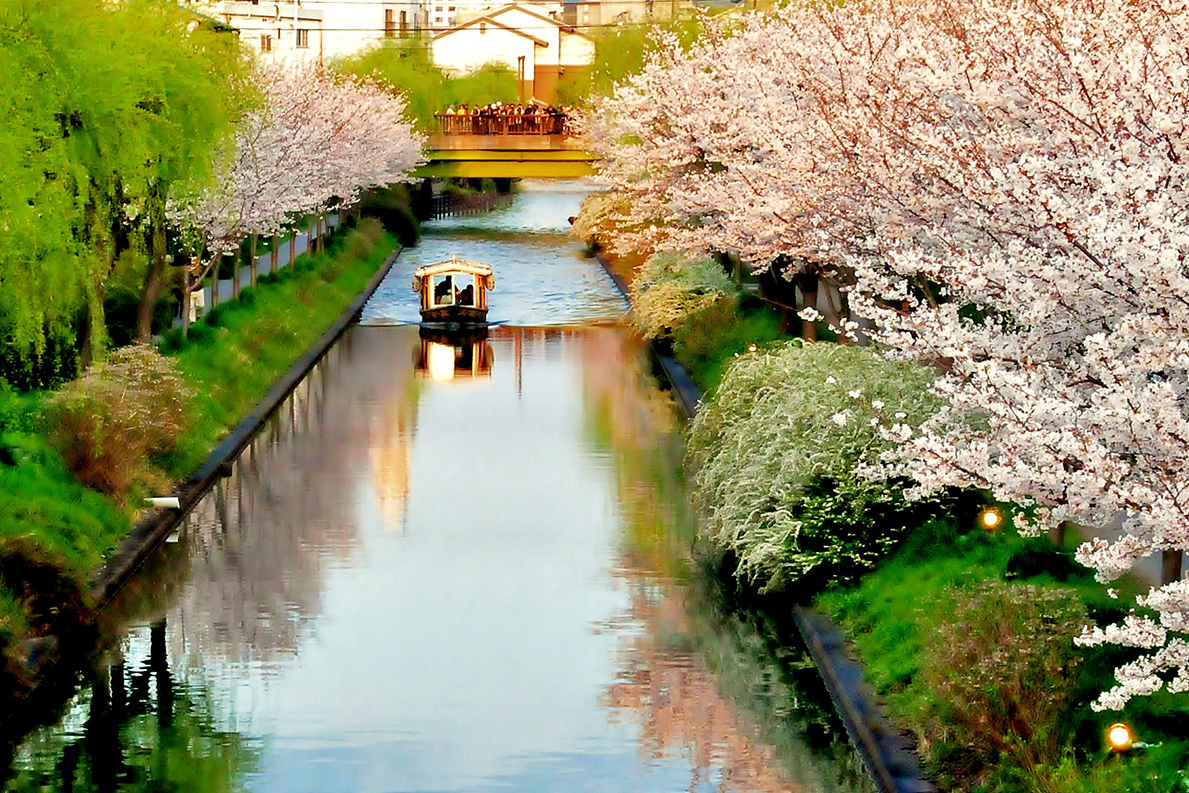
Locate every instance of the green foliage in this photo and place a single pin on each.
(670, 287)
(107, 107)
(897, 613)
(778, 477)
(10, 407)
(108, 424)
(408, 68)
(393, 208)
(621, 51)
(710, 337)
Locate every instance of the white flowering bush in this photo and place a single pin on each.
(670, 287)
(780, 451)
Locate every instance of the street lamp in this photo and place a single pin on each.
(1120, 738)
(990, 518)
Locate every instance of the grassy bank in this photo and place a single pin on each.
(55, 531)
(240, 349)
(1018, 719)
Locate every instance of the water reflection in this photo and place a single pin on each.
(136, 729)
(432, 572)
(444, 355)
(744, 708)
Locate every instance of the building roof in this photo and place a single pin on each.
(537, 14)
(487, 18)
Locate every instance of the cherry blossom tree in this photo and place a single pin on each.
(315, 142)
(1004, 180)
(1052, 204)
(731, 144)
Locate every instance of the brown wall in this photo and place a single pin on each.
(526, 89)
(545, 84)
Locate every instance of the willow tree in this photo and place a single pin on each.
(107, 108)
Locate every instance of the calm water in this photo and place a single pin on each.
(447, 568)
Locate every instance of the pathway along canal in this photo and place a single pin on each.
(447, 569)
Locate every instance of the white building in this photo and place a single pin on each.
(541, 50)
(353, 25)
(275, 30)
(599, 13)
(319, 29)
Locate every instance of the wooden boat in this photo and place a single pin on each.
(454, 293)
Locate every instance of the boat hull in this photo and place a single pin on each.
(462, 316)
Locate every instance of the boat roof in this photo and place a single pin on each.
(454, 265)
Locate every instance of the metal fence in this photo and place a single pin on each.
(448, 205)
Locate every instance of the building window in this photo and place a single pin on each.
(390, 23)
(266, 43)
(303, 39)
(482, 28)
(404, 24)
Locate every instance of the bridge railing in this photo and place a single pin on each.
(503, 124)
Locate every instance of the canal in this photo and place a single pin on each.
(448, 567)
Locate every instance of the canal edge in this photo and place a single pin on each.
(891, 765)
(151, 530)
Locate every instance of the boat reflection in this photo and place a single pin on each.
(450, 354)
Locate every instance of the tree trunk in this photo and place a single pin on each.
(1057, 533)
(154, 281)
(1171, 566)
(90, 338)
(808, 284)
(253, 268)
(185, 300)
(215, 282)
(292, 247)
(235, 275)
(274, 255)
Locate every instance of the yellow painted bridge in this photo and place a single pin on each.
(504, 156)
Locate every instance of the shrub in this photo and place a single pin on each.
(1038, 558)
(710, 337)
(778, 451)
(1003, 667)
(596, 223)
(10, 407)
(670, 287)
(356, 246)
(109, 423)
(393, 208)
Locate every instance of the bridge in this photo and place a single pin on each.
(500, 147)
